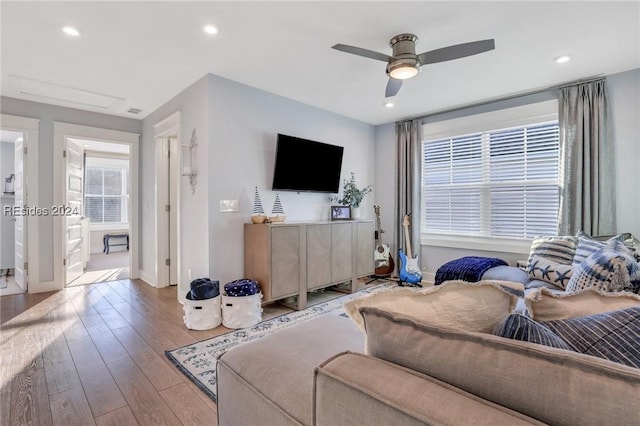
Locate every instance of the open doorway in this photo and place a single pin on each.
(96, 182)
(12, 223)
(105, 172)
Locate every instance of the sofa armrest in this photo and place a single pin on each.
(357, 389)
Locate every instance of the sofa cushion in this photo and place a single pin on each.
(559, 249)
(554, 273)
(547, 305)
(355, 389)
(587, 246)
(520, 327)
(611, 268)
(457, 304)
(553, 385)
(275, 373)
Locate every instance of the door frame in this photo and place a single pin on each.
(167, 136)
(30, 128)
(62, 131)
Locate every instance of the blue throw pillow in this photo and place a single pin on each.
(520, 327)
(611, 268)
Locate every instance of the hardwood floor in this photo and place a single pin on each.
(95, 355)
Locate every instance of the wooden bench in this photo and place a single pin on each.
(106, 240)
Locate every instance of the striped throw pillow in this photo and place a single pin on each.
(610, 335)
(587, 246)
(519, 327)
(558, 249)
(612, 268)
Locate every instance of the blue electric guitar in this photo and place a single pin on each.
(409, 269)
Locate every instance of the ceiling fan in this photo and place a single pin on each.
(405, 63)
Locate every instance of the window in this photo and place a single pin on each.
(105, 194)
(496, 183)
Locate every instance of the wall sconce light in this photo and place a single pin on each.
(188, 161)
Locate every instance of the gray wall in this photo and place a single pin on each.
(244, 123)
(624, 89)
(193, 104)
(47, 114)
(237, 127)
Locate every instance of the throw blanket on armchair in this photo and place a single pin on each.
(469, 268)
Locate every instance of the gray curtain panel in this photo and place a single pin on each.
(587, 174)
(408, 178)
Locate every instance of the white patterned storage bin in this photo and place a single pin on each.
(202, 314)
(241, 312)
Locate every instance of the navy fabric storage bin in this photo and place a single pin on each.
(204, 288)
(242, 287)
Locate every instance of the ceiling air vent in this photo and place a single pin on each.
(134, 110)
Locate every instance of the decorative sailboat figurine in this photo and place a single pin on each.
(277, 212)
(258, 215)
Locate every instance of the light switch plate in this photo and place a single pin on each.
(228, 206)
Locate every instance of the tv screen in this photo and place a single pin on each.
(305, 165)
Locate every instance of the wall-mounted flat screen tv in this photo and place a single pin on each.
(305, 165)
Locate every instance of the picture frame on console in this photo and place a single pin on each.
(340, 213)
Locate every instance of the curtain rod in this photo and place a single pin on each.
(506, 98)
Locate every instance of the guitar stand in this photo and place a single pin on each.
(375, 278)
(404, 284)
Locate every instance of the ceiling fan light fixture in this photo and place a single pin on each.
(402, 69)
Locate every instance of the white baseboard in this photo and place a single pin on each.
(44, 286)
(148, 278)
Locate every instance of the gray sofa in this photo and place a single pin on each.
(316, 373)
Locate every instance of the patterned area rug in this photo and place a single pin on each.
(198, 361)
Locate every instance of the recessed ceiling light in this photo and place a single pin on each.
(388, 104)
(562, 59)
(211, 29)
(71, 31)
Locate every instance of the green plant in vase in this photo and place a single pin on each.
(352, 195)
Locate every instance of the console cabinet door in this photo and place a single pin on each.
(285, 261)
(365, 245)
(318, 255)
(341, 252)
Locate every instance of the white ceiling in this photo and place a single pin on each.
(141, 54)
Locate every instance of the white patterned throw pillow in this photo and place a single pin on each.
(612, 268)
(557, 274)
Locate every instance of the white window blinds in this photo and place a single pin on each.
(495, 183)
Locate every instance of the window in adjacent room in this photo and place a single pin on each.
(492, 176)
(105, 195)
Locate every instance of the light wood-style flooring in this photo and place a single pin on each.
(95, 355)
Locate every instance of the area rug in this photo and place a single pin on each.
(198, 361)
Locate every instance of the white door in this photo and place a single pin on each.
(20, 228)
(72, 211)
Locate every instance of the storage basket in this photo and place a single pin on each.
(241, 312)
(202, 314)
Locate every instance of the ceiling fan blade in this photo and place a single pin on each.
(362, 52)
(393, 87)
(456, 52)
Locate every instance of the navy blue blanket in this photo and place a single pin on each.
(469, 268)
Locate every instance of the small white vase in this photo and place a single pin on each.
(355, 212)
